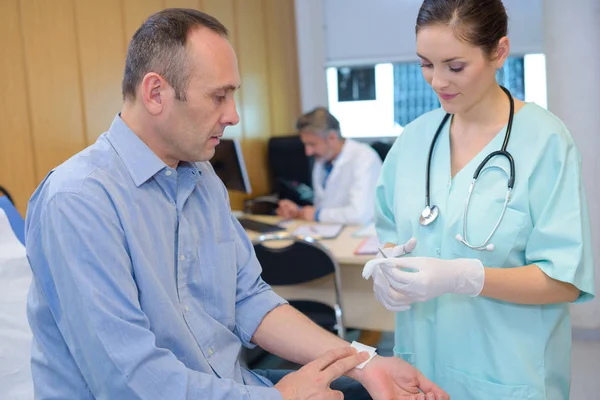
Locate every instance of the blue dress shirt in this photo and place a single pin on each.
(145, 286)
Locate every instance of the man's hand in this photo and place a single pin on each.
(288, 209)
(308, 213)
(387, 378)
(312, 381)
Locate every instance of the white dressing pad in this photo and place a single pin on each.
(363, 347)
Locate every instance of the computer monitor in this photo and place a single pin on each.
(229, 165)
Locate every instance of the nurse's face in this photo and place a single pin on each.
(460, 73)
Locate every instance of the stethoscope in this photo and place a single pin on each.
(431, 212)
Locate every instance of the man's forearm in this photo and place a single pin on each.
(289, 334)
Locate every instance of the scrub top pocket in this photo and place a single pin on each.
(464, 387)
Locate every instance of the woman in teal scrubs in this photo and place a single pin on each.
(490, 322)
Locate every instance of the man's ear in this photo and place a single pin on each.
(154, 92)
(332, 136)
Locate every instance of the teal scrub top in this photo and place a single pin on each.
(481, 348)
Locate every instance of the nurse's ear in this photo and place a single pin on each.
(501, 53)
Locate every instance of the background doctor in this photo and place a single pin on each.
(344, 175)
(483, 324)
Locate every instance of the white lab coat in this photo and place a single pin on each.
(15, 334)
(349, 194)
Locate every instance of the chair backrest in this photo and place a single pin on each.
(301, 261)
(381, 148)
(290, 168)
(16, 221)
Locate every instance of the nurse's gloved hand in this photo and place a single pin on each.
(424, 278)
(391, 299)
(386, 295)
(388, 252)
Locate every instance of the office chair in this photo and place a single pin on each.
(16, 221)
(262, 205)
(291, 174)
(302, 261)
(381, 148)
(291, 169)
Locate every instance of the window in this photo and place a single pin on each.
(378, 101)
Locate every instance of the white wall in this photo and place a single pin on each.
(311, 53)
(572, 37)
(359, 32)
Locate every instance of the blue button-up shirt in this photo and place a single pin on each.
(145, 286)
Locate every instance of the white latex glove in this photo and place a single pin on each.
(390, 252)
(384, 293)
(428, 278)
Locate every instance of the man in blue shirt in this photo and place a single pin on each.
(145, 286)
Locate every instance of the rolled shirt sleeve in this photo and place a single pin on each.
(254, 298)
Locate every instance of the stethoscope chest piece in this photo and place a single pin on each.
(429, 215)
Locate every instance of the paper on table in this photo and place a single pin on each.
(319, 231)
(367, 246)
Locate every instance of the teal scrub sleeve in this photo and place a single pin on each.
(560, 241)
(385, 223)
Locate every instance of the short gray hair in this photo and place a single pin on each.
(320, 121)
(159, 46)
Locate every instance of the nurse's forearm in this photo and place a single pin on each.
(526, 285)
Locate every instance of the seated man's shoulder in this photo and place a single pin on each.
(87, 172)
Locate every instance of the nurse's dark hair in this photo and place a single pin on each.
(160, 46)
(319, 121)
(481, 23)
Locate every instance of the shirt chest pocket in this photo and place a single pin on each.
(218, 281)
(483, 215)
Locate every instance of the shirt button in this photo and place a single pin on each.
(210, 351)
(438, 251)
(187, 308)
(182, 257)
(168, 172)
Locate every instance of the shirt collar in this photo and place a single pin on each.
(141, 163)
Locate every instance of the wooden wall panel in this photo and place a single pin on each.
(135, 12)
(282, 58)
(16, 155)
(195, 4)
(254, 96)
(102, 59)
(64, 60)
(55, 102)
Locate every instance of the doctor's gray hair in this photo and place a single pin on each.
(159, 46)
(481, 23)
(319, 121)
